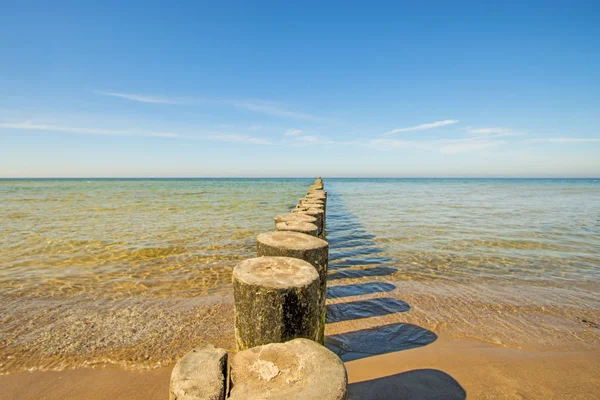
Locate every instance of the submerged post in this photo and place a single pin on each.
(305, 247)
(276, 300)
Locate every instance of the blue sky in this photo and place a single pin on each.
(409, 89)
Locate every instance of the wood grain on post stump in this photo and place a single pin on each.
(296, 226)
(276, 300)
(295, 370)
(305, 247)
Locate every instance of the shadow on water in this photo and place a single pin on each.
(421, 384)
(359, 273)
(379, 340)
(359, 289)
(352, 249)
(361, 251)
(355, 261)
(364, 309)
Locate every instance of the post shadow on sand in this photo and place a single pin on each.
(364, 309)
(420, 384)
(379, 340)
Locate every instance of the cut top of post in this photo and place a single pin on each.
(275, 272)
(292, 217)
(291, 240)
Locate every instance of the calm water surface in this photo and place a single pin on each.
(136, 272)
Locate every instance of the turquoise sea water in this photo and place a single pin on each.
(135, 272)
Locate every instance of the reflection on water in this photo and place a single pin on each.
(136, 272)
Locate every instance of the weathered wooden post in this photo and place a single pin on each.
(318, 213)
(297, 226)
(305, 247)
(200, 374)
(294, 217)
(276, 299)
(311, 200)
(298, 369)
(305, 206)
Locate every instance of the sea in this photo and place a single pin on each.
(136, 272)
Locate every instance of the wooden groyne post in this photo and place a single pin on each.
(279, 320)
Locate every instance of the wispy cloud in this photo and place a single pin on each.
(459, 146)
(495, 132)
(233, 138)
(258, 106)
(422, 127)
(28, 125)
(298, 137)
(313, 139)
(140, 97)
(211, 136)
(293, 132)
(567, 140)
(447, 146)
(273, 109)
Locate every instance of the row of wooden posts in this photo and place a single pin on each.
(279, 320)
(278, 299)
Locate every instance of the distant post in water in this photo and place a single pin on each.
(294, 217)
(319, 214)
(296, 226)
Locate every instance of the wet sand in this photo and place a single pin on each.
(446, 369)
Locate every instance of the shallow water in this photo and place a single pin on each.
(136, 272)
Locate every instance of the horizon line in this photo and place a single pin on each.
(291, 177)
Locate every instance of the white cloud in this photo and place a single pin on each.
(447, 146)
(423, 127)
(388, 144)
(259, 106)
(495, 132)
(298, 137)
(212, 136)
(272, 109)
(465, 146)
(312, 139)
(237, 139)
(140, 98)
(28, 125)
(293, 132)
(567, 140)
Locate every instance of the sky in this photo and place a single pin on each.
(299, 89)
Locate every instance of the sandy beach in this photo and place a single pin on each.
(446, 369)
